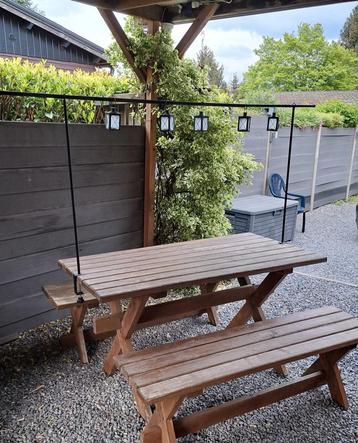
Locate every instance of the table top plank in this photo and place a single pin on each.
(140, 276)
(146, 271)
(155, 252)
(144, 268)
(176, 256)
(210, 276)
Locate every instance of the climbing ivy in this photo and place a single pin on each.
(197, 173)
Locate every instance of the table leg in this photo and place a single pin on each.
(252, 307)
(212, 311)
(122, 342)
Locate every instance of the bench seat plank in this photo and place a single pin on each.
(130, 360)
(254, 350)
(233, 347)
(63, 297)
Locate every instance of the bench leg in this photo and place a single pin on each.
(252, 307)
(160, 428)
(328, 363)
(78, 313)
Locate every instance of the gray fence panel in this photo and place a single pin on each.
(333, 165)
(255, 143)
(35, 208)
(354, 180)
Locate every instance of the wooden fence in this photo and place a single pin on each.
(35, 208)
(324, 164)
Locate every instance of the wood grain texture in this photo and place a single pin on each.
(155, 269)
(62, 296)
(35, 207)
(257, 347)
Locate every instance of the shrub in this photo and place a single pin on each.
(197, 173)
(23, 76)
(331, 119)
(348, 112)
(304, 118)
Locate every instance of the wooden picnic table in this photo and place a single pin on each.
(136, 275)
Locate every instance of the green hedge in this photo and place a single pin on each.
(19, 75)
(310, 118)
(348, 112)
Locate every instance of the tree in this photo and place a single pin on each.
(234, 84)
(206, 59)
(197, 173)
(349, 33)
(29, 4)
(302, 62)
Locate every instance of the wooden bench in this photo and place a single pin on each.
(162, 377)
(62, 297)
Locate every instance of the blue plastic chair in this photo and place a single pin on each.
(277, 188)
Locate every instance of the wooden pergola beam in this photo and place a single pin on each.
(122, 40)
(196, 27)
(133, 4)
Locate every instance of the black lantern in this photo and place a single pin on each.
(273, 122)
(201, 123)
(167, 122)
(244, 123)
(113, 120)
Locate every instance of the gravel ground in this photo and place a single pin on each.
(48, 396)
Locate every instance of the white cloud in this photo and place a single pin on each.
(232, 47)
(232, 40)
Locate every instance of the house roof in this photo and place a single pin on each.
(184, 11)
(314, 97)
(52, 27)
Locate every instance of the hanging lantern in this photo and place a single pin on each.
(273, 122)
(201, 122)
(113, 120)
(244, 123)
(167, 122)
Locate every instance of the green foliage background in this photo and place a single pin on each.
(197, 173)
(302, 61)
(18, 75)
(349, 33)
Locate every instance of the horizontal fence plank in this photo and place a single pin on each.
(55, 199)
(50, 178)
(53, 134)
(65, 237)
(22, 225)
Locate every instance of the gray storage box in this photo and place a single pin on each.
(263, 215)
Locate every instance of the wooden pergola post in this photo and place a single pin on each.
(150, 152)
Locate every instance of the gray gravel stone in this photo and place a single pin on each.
(48, 396)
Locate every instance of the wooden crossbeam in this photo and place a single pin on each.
(197, 26)
(133, 4)
(174, 310)
(187, 307)
(218, 414)
(122, 40)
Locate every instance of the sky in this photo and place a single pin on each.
(232, 40)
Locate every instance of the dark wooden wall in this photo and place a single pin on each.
(35, 208)
(18, 37)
